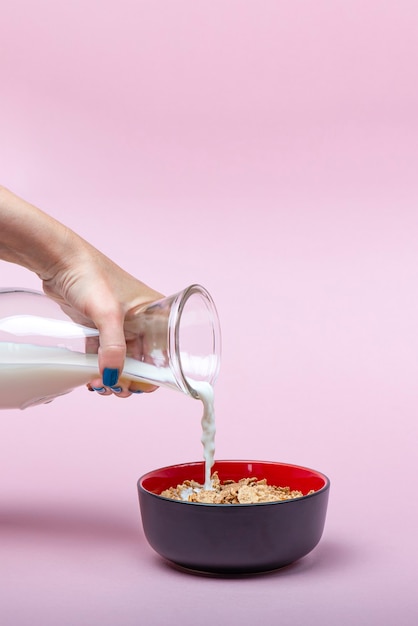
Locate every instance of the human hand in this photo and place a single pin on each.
(89, 287)
(94, 291)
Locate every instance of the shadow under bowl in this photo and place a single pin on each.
(234, 538)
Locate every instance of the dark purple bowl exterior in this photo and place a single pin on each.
(233, 539)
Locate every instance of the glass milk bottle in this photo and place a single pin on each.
(45, 354)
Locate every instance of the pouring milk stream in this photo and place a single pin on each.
(43, 351)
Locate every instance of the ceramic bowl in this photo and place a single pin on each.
(234, 538)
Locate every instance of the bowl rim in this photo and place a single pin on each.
(327, 483)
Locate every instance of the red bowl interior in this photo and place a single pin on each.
(279, 474)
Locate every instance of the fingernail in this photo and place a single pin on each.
(116, 389)
(98, 389)
(110, 377)
(136, 390)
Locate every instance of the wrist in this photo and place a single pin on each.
(31, 238)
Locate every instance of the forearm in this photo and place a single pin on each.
(31, 238)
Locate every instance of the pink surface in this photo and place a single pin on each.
(268, 151)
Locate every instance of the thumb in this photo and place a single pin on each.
(112, 350)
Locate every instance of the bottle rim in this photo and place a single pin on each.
(176, 312)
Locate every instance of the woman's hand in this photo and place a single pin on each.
(93, 290)
(90, 288)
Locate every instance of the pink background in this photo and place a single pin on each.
(267, 150)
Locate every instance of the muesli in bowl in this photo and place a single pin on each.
(244, 491)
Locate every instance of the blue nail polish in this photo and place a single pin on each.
(116, 389)
(99, 389)
(110, 377)
(136, 391)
